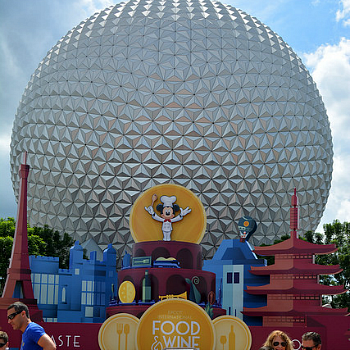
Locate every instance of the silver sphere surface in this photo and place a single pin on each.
(195, 93)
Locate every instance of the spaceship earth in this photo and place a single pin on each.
(195, 93)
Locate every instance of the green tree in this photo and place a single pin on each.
(5, 254)
(42, 241)
(55, 244)
(339, 234)
(7, 227)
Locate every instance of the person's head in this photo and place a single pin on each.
(168, 207)
(279, 340)
(4, 340)
(311, 341)
(18, 315)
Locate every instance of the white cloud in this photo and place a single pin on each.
(338, 206)
(8, 57)
(93, 6)
(341, 178)
(344, 14)
(330, 68)
(5, 141)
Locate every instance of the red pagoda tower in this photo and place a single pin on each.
(18, 286)
(294, 294)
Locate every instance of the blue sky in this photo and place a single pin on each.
(318, 31)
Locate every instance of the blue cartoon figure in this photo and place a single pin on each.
(167, 210)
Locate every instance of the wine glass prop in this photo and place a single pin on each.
(223, 341)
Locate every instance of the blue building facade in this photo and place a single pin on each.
(82, 292)
(78, 294)
(231, 264)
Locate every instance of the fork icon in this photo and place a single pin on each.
(119, 331)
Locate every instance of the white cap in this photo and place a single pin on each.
(168, 201)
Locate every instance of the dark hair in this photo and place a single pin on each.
(4, 336)
(160, 208)
(315, 337)
(18, 306)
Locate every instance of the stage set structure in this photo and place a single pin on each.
(137, 119)
(233, 292)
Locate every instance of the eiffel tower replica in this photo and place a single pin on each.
(18, 286)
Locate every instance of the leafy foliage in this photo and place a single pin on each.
(5, 254)
(55, 244)
(42, 241)
(339, 234)
(7, 227)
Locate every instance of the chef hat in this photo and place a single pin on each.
(168, 201)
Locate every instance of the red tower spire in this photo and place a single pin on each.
(294, 216)
(294, 294)
(18, 286)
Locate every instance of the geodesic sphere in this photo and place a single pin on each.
(194, 93)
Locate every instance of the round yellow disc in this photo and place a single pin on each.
(233, 332)
(190, 229)
(126, 292)
(175, 323)
(118, 332)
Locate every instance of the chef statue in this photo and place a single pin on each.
(167, 216)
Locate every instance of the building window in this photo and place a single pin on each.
(89, 311)
(45, 288)
(236, 277)
(229, 277)
(93, 293)
(64, 300)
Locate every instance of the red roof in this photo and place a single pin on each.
(296, 246)
(306, 268)
(288, 288)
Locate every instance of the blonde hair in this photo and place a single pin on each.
(284, 336)
(4, 336)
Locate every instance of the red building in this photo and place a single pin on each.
(294, 286)
(294, 295)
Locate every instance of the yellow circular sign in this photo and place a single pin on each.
(118, 332)
(175, 323)
(126, 292)
(190, 228)
(232, 333)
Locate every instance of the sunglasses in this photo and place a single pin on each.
(308, 347)
(276, 343)
(2, 344)
(13, 315)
